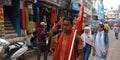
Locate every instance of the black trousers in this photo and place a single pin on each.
(116, 35)
(41, 47)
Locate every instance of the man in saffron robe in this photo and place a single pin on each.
(65, 41)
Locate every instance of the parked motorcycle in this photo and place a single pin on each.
(13, 51)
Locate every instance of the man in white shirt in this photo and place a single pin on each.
(99, 52)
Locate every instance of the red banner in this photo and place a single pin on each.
(80, 19)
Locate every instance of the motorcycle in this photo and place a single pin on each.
(14, 51)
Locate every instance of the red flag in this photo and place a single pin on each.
(80, 19)
(78, 29)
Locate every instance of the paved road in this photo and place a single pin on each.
(114, 50)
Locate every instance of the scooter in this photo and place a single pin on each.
(13, 51)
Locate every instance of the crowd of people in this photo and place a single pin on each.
(60, 41)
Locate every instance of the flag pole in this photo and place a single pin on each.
(72, 45)
(79, 20)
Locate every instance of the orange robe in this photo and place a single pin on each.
(63, 50)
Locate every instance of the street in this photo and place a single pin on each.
(25, 23)
(114, 50)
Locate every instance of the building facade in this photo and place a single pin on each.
(118, 13)
(88, 10)
(112, 15)
(75, 6)
(98, 10)
(21, 12)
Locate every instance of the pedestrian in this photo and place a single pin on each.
(40, 35)
(88, 42)
(53, 45)
(65, 41)
(101, 44)
(116, 30)
(106, 26)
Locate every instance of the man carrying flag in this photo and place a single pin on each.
(65, 42)
(69, 45)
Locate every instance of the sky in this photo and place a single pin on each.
(111, 3)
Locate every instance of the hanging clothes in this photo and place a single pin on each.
(27, 19)
(35, 11)
(21, 18)
(21, 7)
(31, 27)
(24, 18)
(22, 15)
(53, 16)
(30, 9)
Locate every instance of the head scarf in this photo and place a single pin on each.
(87, 27)
(84, 35)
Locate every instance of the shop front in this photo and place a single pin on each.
(25, 15)
(46, 11)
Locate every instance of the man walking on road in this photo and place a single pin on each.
(116, 30)
(40, 35)
(101, 44)
(65, 42)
